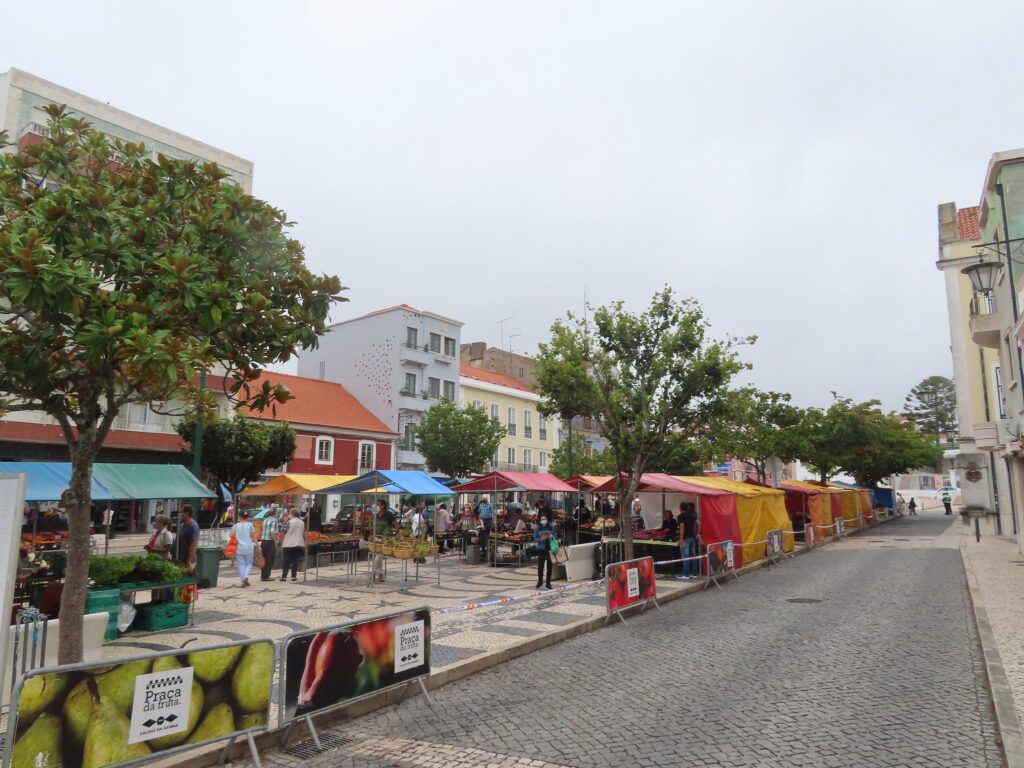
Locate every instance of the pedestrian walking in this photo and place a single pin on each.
(442, 522)
(912, 506)
(386, 525)
(689, 536)
(269, 533)
(245, 534)
(542, 543)
(293, 544)
(947, 502)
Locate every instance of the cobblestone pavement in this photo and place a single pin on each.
(859, 654)
(999, 571)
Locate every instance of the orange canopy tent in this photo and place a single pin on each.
(812, 499)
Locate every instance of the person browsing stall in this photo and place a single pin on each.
(689, 539)
(542, 537)
(293, 544)
(269, 533)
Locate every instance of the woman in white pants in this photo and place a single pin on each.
(245, 535)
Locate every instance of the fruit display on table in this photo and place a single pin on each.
(82, 718)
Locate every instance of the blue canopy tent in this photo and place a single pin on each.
(412, 482)
(47, 480)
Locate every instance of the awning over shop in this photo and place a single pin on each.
(290, 483)
(150, 481)
(393, 481)
(515, 481)
(47, 480)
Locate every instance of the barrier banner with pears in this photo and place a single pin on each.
(100, 714)
(327, 667)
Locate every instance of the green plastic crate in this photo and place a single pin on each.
(100, 600)
(111, 631)
(153, 617)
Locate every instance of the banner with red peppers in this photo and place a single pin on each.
(630, 582)
(331, 666)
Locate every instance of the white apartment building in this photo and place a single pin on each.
(139, 430)
(397, 362)
(23, 97)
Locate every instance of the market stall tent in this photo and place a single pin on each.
(716, 507)
(291, 483)
(412, 482)
(587, 483)
(47, 480)
(813, 499)
(863, 497)
(849, 505)
(493, 482)
(139, 482)
(758, 510)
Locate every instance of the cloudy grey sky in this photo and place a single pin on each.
(781, 161)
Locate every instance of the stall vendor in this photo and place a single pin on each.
(670, 525)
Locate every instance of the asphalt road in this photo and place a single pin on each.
(859, 655)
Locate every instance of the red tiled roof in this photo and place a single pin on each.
(318, 403)
(117, 438)
(490, 377)
(968, 220)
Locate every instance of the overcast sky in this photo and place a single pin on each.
(781, 161)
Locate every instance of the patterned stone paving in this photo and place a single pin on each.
(275, 609)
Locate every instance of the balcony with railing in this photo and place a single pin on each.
(543, 435)
(416, 354)
(510, 430)
(528, 432)
(984, 321)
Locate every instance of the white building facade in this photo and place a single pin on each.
(398, 362)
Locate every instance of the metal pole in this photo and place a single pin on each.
(1009, 269)
(197, 446)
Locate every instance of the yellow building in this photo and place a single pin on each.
(530, 438)
(975, 338)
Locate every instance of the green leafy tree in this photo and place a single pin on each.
(678, 455)
(458, 441)
(237, 451)
(858, 438)
(650, 375)
(586, 460)
(754, 427)
(121, 278)
(931, 405)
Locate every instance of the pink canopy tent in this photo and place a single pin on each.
(716, 507)
(515, 481)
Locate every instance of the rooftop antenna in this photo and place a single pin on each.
(501, 330)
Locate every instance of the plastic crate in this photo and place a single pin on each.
(100, 600)
(111, 631)
(153, 617)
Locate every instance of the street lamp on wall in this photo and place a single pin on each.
(983, 275)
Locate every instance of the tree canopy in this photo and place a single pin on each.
(237, 451)
(586, 460)
(753, 426)
(652, 376)
(121, 278)
(858, 438)
(457, 441)
(931, 405)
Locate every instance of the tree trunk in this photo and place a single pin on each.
(76, 578)
(626, 516)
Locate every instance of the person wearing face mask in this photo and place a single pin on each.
(542, 537)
